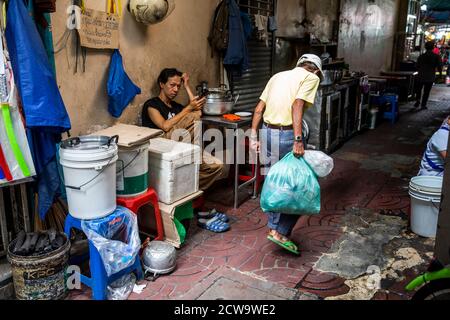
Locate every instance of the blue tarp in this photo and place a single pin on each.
(45, 113)
(43, 105)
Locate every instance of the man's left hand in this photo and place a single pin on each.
(298, 150)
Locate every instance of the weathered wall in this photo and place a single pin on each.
(321, 13)
(290, 14)
(366, 34)
(180, 41)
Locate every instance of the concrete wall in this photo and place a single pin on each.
(321, 13)
(290, 13)
(180, 41)
(366, 34)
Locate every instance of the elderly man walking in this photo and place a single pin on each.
(282, 104)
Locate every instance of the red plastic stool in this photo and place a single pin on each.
(135, 203)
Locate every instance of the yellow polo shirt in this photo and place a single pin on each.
(283, 89)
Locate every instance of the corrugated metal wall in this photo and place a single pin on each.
(251, 83)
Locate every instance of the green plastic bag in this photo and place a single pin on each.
(291, 187)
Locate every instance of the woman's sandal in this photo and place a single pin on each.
(288, 245)
(213, 213)
(214, 225)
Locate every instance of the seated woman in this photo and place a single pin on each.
(432, 163)
(162, 112)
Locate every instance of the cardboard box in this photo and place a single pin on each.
(130, 135)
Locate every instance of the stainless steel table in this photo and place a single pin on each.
(220, 122)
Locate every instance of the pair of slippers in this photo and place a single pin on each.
(213, 221)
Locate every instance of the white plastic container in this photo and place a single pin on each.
(173, 169)
(425, 192)
(89, 167)
(132, 171)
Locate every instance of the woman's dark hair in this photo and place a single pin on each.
(168, 73)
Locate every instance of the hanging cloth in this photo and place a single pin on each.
(273, 25)
(236, 57)
(261, 24)
(247, 25)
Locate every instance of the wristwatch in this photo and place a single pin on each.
(298, 139)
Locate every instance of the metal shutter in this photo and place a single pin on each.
(251, 83)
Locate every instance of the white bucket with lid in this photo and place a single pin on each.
(89, 167)
(132, 170)
(425, 192)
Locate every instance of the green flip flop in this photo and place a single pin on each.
(288, 245)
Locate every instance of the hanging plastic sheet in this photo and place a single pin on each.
(44, 110)
(42, 102)
(121, 90)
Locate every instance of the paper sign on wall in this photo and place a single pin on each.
(99, 30)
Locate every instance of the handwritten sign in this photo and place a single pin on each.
(99, 30)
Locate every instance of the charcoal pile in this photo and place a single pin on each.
(38, 243)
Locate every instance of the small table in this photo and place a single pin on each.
(220, 122)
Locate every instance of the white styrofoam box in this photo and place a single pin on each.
(173, 169)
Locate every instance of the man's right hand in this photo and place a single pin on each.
(197, 103)
(255, 145)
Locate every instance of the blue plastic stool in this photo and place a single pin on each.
(393, 114)
(99, 279)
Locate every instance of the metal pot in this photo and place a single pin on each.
(159, 258)
(219, 101)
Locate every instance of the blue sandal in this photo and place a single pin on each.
(212, 214)
(214, 225)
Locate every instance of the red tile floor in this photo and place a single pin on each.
(355, 182)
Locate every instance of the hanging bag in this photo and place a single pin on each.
(121, 90)
(99, 29)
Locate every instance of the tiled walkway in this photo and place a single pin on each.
(372, 170)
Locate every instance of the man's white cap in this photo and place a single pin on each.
(313, 59)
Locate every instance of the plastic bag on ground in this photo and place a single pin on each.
(121, 288)
(116, 238)
(291, 187)
(321, 163)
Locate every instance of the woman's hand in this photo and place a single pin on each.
(197, 103)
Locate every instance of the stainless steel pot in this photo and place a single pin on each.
(159, 258)
(219, 101)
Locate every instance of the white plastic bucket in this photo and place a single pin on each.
(425, 192)
(132, 171)
(89, 171)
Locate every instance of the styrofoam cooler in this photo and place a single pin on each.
(173, 169)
